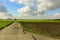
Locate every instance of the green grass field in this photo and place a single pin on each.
(37, 20)
(5, 23)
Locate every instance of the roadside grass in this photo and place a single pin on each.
(50, 28)
(5, 23)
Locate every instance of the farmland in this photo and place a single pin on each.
(4, 23)
(37, 20)
(50, 28)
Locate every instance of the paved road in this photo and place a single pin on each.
(15, 32)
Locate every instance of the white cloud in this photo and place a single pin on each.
(42, 5)
(5, 15)
(12, 0)
(49, 4)
(20, 1)
(45, 4)
(4, 12)
(24, 9)
(3, 8)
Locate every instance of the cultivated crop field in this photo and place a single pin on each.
(45, 27)
(38, 20)
(5, 23)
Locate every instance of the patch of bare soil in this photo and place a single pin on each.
(52, 28)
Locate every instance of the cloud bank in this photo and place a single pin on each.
(39, 13)
(4, 12)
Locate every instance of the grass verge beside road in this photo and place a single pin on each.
(5, 23)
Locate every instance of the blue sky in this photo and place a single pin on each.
(54, 11)
(12, 7)
(44, 7)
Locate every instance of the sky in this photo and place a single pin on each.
(33, 9)
(11, 7)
